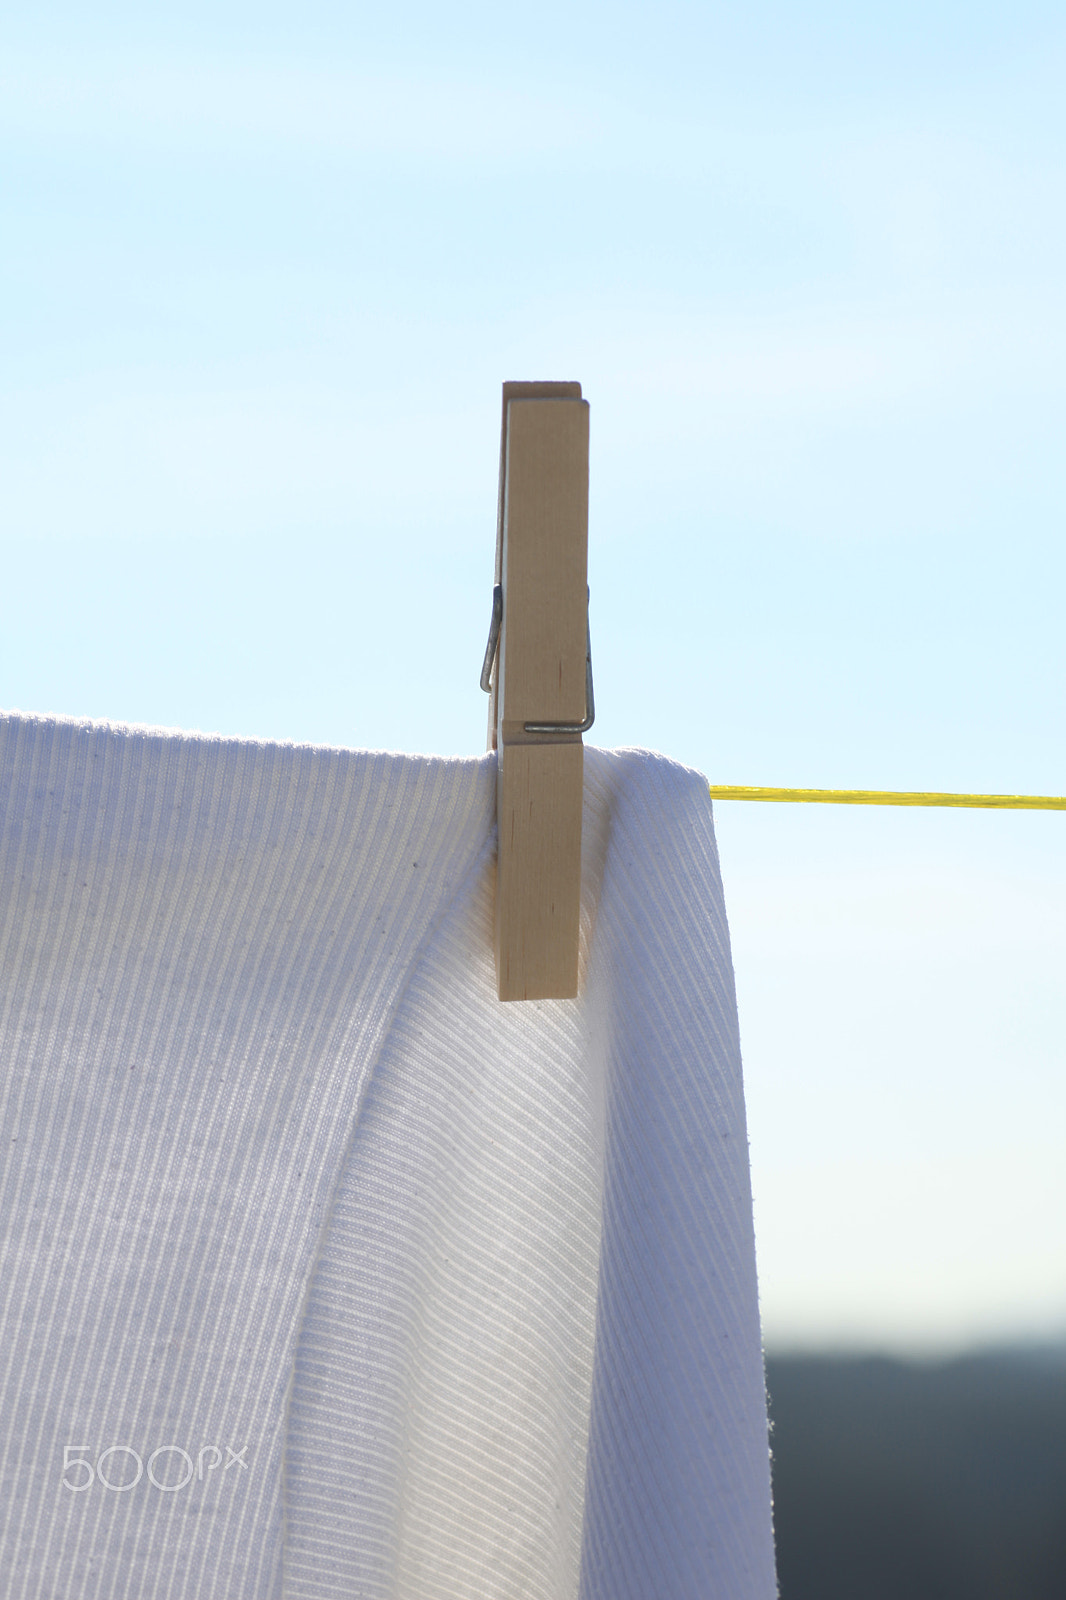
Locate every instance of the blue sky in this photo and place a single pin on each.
(263, 273)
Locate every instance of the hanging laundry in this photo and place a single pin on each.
(324, 1272)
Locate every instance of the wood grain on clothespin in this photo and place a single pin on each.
(540, 677)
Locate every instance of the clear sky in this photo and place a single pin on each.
(263, 271)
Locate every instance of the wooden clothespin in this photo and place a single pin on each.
(538, 671)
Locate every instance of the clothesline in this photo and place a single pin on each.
(892, 797)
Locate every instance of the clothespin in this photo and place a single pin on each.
(538, 673)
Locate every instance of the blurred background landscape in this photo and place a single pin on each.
(941, 1481)
(263, 274)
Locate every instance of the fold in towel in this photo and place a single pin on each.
(324, 1272)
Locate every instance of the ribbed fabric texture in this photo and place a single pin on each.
(364, 1283)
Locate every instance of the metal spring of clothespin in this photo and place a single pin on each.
(495, 624)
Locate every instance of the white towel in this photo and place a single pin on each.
(324, 1273)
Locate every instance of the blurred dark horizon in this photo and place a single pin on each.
(1038, 1347)
(932, 1477)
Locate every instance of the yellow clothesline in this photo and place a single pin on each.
(893, 797)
